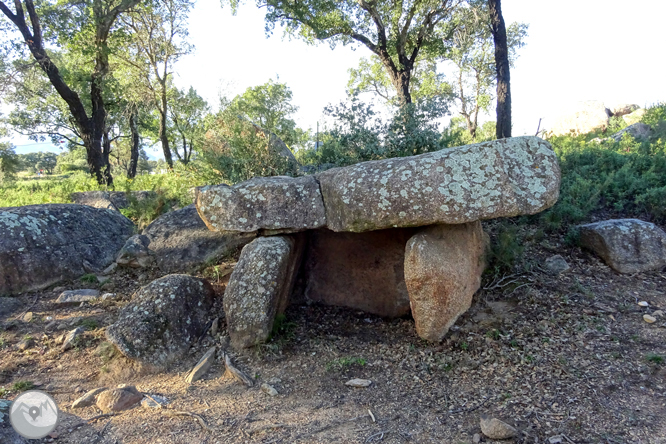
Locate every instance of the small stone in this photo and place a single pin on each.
(88, 399)
(270, 390)
(58, 290)
(643, 304)
(77, 296)
(118, 399)
(658, 313)
(48, 318)
(51, 326)
(107, 296)
(110, 269)
(148, 403)
(26, 344)
(557, 439)
(107, 286)
(649, 319)
(69, 338)
(360, 383)
(476, 438)
(27, 317)
(214, 326)
(555, 265)
(493, 428)
(202, 366)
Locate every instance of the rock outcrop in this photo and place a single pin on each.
(269, 205)
(364, 271)
(111, 200)
(637, 131)
(635, 116)
(626, 245)
(584, 118)
(487, 180)
(41, 245)
(260, 286)
(179, 240)
(623, 109)
(443, 266)
(163, 320)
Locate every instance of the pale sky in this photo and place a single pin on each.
(579, 50)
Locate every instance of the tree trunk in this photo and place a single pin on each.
(164, 138)
(502, 66)
(134, 150)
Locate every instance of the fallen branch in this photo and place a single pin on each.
(201, 421)
(371, 437)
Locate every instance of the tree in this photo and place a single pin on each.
(502, 66)
(473, 58)
(187, 113)
(88, 21)
(159, 30)
(398, 33)
(9, 161)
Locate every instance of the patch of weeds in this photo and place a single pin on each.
(464, 346)
(283, 328)
(657, 359)
(545, 340)
(89, 278)
(28, 337)
(513, 343)
(493, 334)
(616, 355)
(344, 363)
(447, 367)
(529, 359)
(106, 351)
(3, 392)
(22, 386)
(89, 324)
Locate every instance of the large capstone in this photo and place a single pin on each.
(443, 266)
(44, 244)
(178, 241)
(163, 320)
(268, 205)
(502, 178)
(626, 245)
(364, 271)
(260, 286)
(582, 118)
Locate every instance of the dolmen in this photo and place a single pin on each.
(387, 237)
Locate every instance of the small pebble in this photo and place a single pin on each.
(649, 319)
(268, 389)
(643, 304)
(360, 383)
(658, 313)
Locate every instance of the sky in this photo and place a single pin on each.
(580, 50)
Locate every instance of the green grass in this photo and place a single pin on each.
(89, 278)
(3, 392)
(89, 324)
(344, 363)
(654, 358)
(22, 386)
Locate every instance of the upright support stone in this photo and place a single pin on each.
(443, 266)
(260, 286)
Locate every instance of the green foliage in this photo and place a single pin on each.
(457, 133)
(282, 328)
(360, 135)
(22, 386)
(344, 363)
(89, 278)
(89, 324)
(654, 358)
(9, 162)
(506, 249)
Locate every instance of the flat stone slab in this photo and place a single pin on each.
(502, 178)
(202, 366)
(268, 205)
(77, 296)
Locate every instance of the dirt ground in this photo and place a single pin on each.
(567, 355)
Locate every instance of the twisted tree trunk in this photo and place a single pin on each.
(502, 66)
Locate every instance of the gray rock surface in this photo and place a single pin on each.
(268, 205)
(163, 320)
(364, 271)
(502, 178)
(582, 118)
(555, 264)
(259, 287)
(635, 116)
(443, 266)
(493, 428)
(111, 200)
(44, 244)
(118, 399)
(626, 245)
(7, 433)
(77, 296)
(179, 240)
(637, 131)
(71, 337)
(135, 252)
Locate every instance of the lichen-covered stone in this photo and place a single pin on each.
(259, 287)
(118, 399)
(135, 252)
(179, 240)
(44, 244)
(443, 266)
(501, 178)
(268, 205)
(364, 271)
(637, 131)
(626, 245)
(622, 109)
(163, 320)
